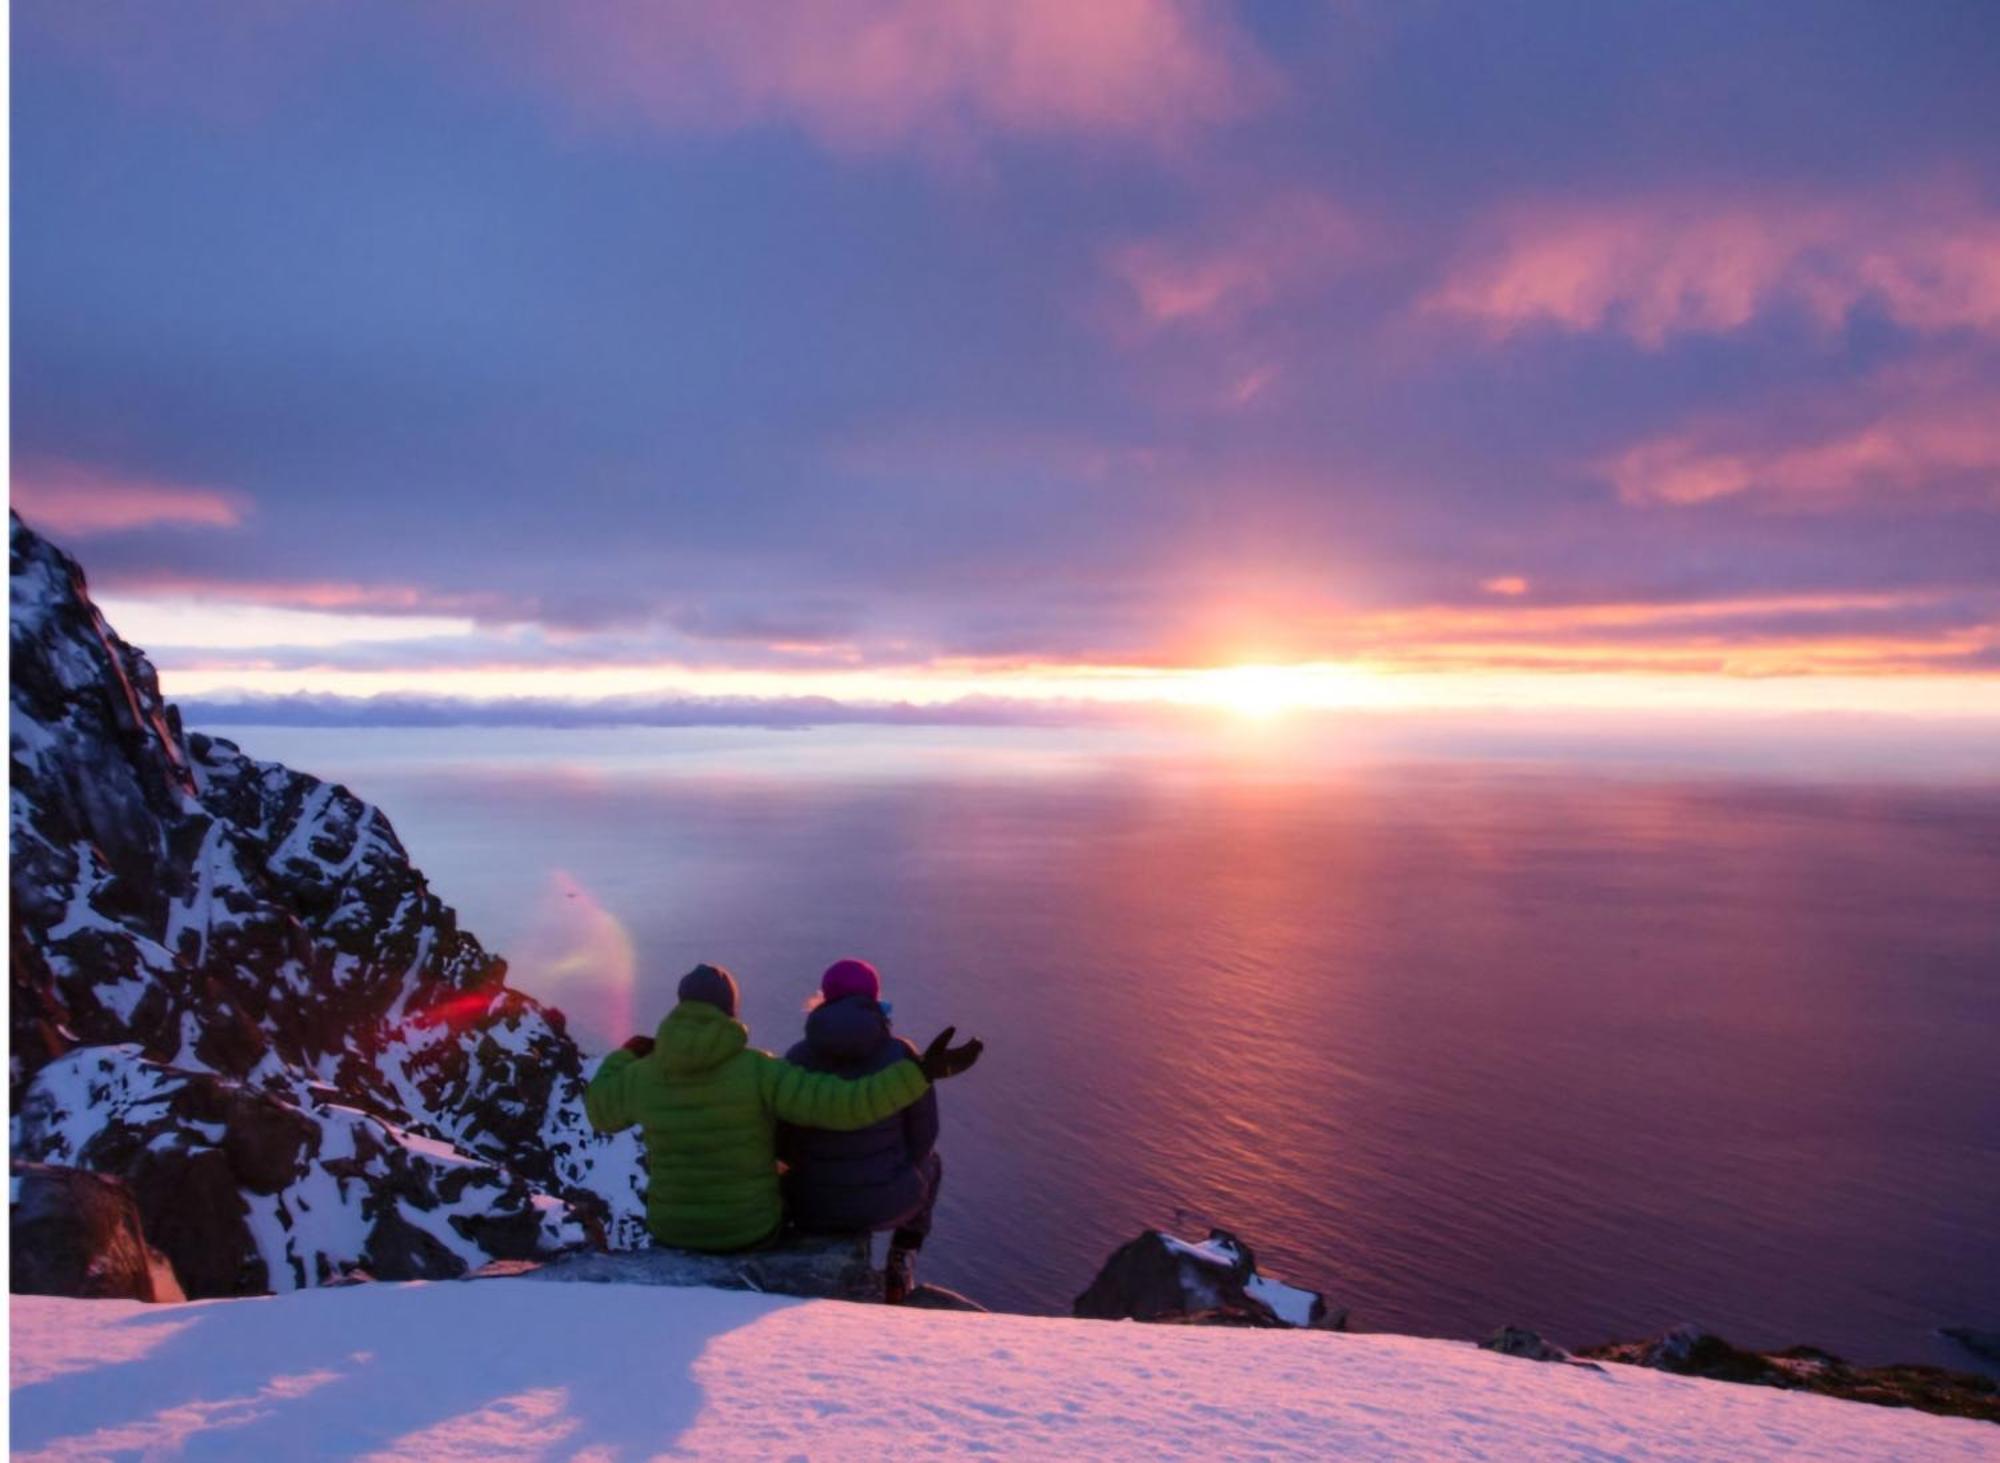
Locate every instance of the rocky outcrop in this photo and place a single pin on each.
(1215, 1282)
(1529, 1346)
(1690, 1351)
(824, 1267)
(230, 987)
(821, 1267)
(76, 1233)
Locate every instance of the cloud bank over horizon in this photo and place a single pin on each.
(780, 354)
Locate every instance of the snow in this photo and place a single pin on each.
(1208, 1251)
(510, 1369)
(120, 997)
(212, 865)
(437, 1224)
(296, 845)
(1288, 1303)
(71, 1098)
(439, 1153)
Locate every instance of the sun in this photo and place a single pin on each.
(1262, 691)
(1256, 691)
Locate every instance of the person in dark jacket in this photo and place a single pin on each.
(884, 1176)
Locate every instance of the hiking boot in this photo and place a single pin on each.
(899, 1276)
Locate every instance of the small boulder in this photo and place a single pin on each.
(1690, 1351)
(1529, 1345)
(1160, 1278)
(78, 1233)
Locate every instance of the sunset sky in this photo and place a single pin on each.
(1344, 354)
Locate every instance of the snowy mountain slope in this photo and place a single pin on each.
(510, 1369)
(230, 986)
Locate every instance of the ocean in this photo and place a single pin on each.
(1591, 1046)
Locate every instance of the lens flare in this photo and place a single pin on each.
(577, 955)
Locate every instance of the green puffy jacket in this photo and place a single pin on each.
(708, 1103)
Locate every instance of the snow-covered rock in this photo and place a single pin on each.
(506, 1369)
(230, 986)
(1158, 1277)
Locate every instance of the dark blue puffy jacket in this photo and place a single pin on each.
(871, 1179)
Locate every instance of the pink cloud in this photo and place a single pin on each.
(1246, 265)
(79, 501)
(324, 595)
(1932, 431)
(1653, 268)
(868, 75)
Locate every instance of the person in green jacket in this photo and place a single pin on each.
(708, 1104)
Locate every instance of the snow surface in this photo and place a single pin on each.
(508, 1369)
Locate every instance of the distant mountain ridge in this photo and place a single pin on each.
(231, 987)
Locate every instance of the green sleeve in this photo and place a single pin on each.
(821, 1100)
(607, 1101)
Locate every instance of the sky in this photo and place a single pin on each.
(1005, 355)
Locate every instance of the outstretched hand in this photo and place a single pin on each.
(941, 1059)
(639, 1046)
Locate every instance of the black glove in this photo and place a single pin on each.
(942, 1059)
(639, 1046)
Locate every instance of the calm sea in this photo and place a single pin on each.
(1460, 1042)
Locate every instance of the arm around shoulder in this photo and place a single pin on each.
(838, 1104)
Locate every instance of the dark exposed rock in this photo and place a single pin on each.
(832, 1267)
(510, 1236)
(77, 1233)
(267, 1142)
(229, 984)
(192, 1208)
(399, 1250)
(1529, 1345)
(1689, 1351)
(1214, 1283)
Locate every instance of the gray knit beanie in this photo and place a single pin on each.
(713, 984)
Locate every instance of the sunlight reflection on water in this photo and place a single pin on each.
(1462, 1044)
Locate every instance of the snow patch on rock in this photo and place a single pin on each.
(201, 938)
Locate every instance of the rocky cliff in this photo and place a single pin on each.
(231, 988)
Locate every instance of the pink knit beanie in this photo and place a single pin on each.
(846, 978)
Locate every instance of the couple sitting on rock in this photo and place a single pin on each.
(849, 1110)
